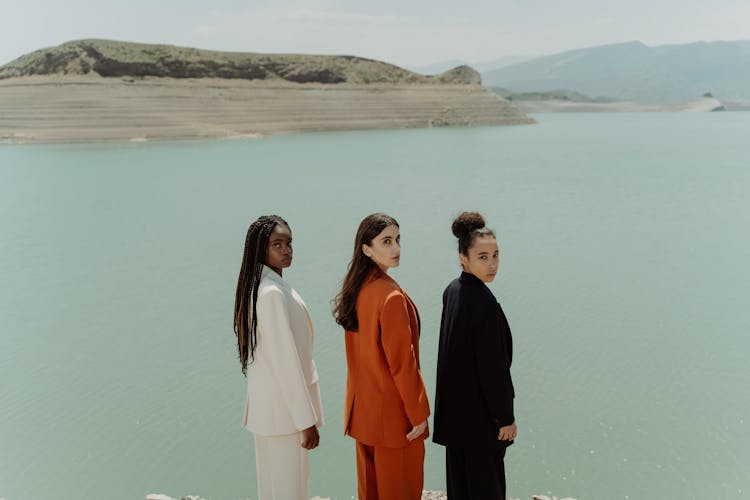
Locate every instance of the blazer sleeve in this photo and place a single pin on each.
(278, 345)
(396, 338)
(493, 367)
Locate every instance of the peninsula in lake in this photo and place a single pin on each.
(101, 90)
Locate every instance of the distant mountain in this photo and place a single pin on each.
(635, 72)
(481, 66)
(118, 59)
(500, 62)
(437, 67)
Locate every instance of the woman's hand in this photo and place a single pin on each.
(417, 431)
(310, 438)
(507, 433)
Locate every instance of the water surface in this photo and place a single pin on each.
(625, 278)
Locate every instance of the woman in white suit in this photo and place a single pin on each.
(275, 339)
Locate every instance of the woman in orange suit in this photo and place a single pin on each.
(386, 405)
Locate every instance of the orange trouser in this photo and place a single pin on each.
(390, 473)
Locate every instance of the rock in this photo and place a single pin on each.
(704, 105)
(426, 495)
(465, 75)
(160, 496)
(545, 497)
(441, 495)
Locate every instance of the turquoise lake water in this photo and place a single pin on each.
(625, 275)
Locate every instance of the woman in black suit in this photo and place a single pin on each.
(474, 391)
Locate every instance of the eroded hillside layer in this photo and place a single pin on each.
(54, 109)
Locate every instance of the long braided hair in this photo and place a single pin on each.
(253, 258)
(360, 267)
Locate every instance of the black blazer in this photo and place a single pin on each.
(474, 391)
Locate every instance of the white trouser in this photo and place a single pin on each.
(283, 468)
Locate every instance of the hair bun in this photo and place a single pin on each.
(466, 222)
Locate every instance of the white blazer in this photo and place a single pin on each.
(282, 382)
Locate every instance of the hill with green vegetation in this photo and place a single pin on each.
(109, 58)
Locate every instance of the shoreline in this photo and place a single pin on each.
(701, 105)
(62, 109)
(426, 495)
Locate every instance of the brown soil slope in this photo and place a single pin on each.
(86, 92)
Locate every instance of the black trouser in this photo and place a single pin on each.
(475, 474)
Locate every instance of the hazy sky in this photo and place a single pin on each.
(404, 32)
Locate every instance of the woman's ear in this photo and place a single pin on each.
(366, 250)
(464, 260)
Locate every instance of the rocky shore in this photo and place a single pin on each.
(426, 495)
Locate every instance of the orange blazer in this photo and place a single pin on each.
(385, 393)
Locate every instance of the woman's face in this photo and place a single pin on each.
(279, 252)
(385, 250)
(483, 259)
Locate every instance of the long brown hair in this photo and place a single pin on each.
(253, 258)
(360, 267)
